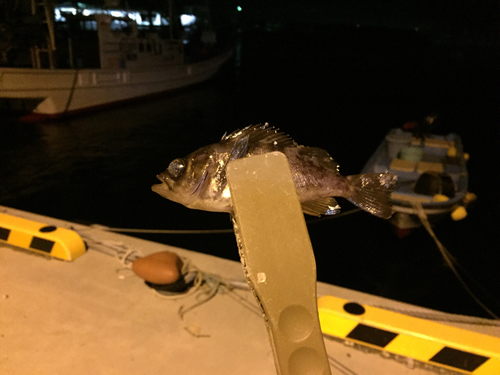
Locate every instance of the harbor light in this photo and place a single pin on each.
(157, 20)
(187, 19)
(238, 8)
(117, 13)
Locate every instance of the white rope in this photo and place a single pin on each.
(339, 366)
(206, 231)
(123, 252)
(205, 285)
(187, 268)
(448, 258)
(162, 231)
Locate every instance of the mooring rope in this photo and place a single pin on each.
(448, 258)
(206, 231)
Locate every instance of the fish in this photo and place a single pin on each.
(198, 181)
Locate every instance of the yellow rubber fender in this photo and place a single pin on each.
(440, 198)
(469, 198)
(41, 238)
(424, 340)
(459, 213)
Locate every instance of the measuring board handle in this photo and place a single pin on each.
(278, 260)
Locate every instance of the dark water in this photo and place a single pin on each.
(340, 89)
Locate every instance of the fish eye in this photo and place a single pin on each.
(176, 167)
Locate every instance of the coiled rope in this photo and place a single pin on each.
(126, 257)
(205, 286)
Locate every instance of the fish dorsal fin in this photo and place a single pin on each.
(258, 135)
(321, 206)
(240, 148)
(322, 156)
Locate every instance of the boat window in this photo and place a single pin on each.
(122, 25)
(88, 25)
(148, 47)
(117, 24)
(141, 47)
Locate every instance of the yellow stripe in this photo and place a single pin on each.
(416, 338)
(491, 367)
(68, 245)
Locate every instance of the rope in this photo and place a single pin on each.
(71, 92)
(163, 231)
(340, 366)
(448, 258)
(128, 256)
(187, 268)
(124, 253)
(206, 231)
(205, 285)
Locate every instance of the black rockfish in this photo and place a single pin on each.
(199, 180)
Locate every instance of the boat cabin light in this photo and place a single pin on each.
(187, 19)
(158, 20)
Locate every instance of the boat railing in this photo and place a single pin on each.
(45, 10)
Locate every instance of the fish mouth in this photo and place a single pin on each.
(164, 186)
(163, 177)
(160, 188)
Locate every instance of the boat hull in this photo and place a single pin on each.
(68, 91)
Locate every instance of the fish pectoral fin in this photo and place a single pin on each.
(372, 192)
(321, 206)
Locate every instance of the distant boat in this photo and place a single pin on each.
(432, 174)
(90, 58)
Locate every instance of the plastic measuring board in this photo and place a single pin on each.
(41, 238)
(278, 260)
(424, 340)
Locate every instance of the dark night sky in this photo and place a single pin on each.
(391, 13)
(425, 14)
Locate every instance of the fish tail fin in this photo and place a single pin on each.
(372, 192)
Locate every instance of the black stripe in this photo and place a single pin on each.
(370, 335)
(459, 359)
(4, 233)
(42, 244)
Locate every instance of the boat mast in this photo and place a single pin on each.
(171, 20)
(44, 9)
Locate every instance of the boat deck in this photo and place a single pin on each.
(91, 316)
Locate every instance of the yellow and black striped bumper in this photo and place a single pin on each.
(423, 340)
(41, 238)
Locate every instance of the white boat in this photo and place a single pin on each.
(432, 175)
(93, 315)
(103, 58)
